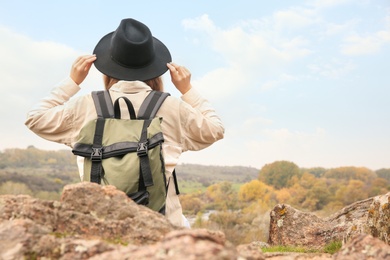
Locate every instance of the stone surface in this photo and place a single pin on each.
(89, 219)
(95, 222)
(182, 244)
(291, 227)
(378, 220)
(251, 251)
(349, 221)
(364, 247)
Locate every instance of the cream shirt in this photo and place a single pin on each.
(189, 123)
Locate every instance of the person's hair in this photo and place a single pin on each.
(109, 81)
(155, 83)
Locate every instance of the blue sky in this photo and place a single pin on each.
(302, 81)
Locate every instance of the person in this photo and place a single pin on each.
(132, 62)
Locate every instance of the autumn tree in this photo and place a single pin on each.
(351, 173)
(316, 171)
(257, 190)
(379, 186)
(279, 173)
(222, 195)
(384, 174)
(351, 193)
(192, 203)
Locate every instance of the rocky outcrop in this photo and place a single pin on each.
(100, 222)
(289, 226)
(378, 220)
(95, 222)
(364, 247)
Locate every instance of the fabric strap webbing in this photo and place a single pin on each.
(147, 112)
(103, 104)
(96, 156)
(151, 104)
(175, 182)
(104, 109)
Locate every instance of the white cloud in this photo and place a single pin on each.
(360, 45)
(26, 65)
(321, 4)
(28, 71)
(294, 18)
(284, 78)
(338, 29)
(333, 69)
(250, 52)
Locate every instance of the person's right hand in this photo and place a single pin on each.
(81, 67)
(180, 76)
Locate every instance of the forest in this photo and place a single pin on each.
(236, 200)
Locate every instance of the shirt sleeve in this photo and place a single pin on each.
(50, 118)
(201, 126)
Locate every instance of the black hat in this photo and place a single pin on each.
(131, 53)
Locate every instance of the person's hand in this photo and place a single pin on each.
(81, 67)
(180, 76)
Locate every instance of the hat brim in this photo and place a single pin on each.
(106, 65)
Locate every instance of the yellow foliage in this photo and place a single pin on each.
(283, 195)
(255, 190)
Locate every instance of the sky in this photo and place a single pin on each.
(301, 81)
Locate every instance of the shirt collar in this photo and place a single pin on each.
(130, 86)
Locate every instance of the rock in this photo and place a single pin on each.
(252, 251)
(349, 221)
(100, 222)
(182, 244)
(106, 212)
(378, 221)
(291, 227)
(364, 247)
(89, 219)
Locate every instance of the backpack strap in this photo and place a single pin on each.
(152, 104)
(97, 151)
(147, 112)
(175, 182)
(104, 109)
(103, 104)
(117, 110)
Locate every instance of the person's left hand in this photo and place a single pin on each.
(180, 76)
(81, 67)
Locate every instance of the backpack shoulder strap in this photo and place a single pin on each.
(103, 104)
(104, 109)
(152, 104)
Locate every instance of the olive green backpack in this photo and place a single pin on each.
(126, 153)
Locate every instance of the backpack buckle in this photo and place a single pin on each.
(97, 154)
(142, 149)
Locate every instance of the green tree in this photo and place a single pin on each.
(316, 171)
(351, 173)
(279, 173)
(384, 173)
(317, 196)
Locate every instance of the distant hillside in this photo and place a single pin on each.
(208, 175)
(41, 170)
